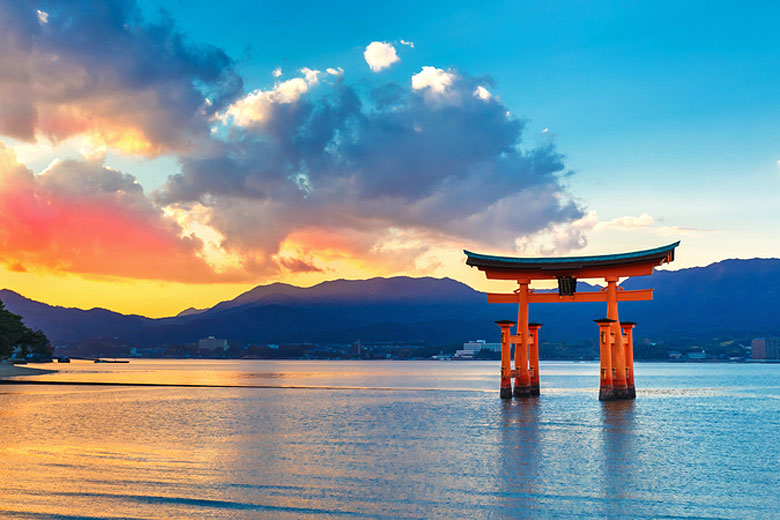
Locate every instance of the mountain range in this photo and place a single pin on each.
(734, 298)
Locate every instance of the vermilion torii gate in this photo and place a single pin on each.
(615, 336)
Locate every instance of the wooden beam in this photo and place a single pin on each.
(495, 273)
(623, 296)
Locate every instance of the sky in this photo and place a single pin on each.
(161, 155)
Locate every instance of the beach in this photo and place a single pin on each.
(8, 370)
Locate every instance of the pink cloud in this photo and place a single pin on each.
(84, 218)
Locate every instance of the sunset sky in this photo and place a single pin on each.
(161, 155)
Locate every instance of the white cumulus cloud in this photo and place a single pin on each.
(380, 55)
(312, 76)
(43, 16)
(438, 80)
(482, 93)
(256, 106)
(277, 72)
(408, 44)
(628, 222)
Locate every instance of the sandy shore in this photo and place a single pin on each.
(9, 370)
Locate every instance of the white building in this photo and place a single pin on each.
(480, 344)
(472, 348)
(465, 354)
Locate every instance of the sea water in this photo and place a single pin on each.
(388, 439)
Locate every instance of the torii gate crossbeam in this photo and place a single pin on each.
(616, 337)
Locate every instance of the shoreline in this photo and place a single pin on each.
(9, 370)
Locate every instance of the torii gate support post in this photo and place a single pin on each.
(522, 378)
(606, 387)
(533, 357)
(617, 350)
(628, 330)
(506, 379)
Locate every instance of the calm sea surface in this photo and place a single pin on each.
(385, 439)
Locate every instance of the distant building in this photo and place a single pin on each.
(697, 355)
(758, 348)
(212, 343)
(465, 354)
(772, 348)
(765, 348)
(480, 344)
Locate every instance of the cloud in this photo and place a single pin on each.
(277, 72)
(72, 68)
(566, 237)
(559, 238)
(437, 80)
(408, 44)
(311, 76)
(482, 93)
(257, 106)
(297, 265)
(628, 222)
(338, 163)
(380, 55)
(82, 217)
(648, 223)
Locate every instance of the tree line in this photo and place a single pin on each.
(14, 334)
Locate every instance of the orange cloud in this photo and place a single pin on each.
(87, 219)
(358, 253)
(104, 122)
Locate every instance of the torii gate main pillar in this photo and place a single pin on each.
(616, 343)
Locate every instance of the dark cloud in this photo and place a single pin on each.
(100, 68)
(450, 162)
(297, 265)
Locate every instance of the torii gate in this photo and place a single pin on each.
(616, 338)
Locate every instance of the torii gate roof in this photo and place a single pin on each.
(621, 264)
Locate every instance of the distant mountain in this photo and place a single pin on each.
(190, 311)
(65, 324)
(379, 309)
(729, 298)
(400, 289)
